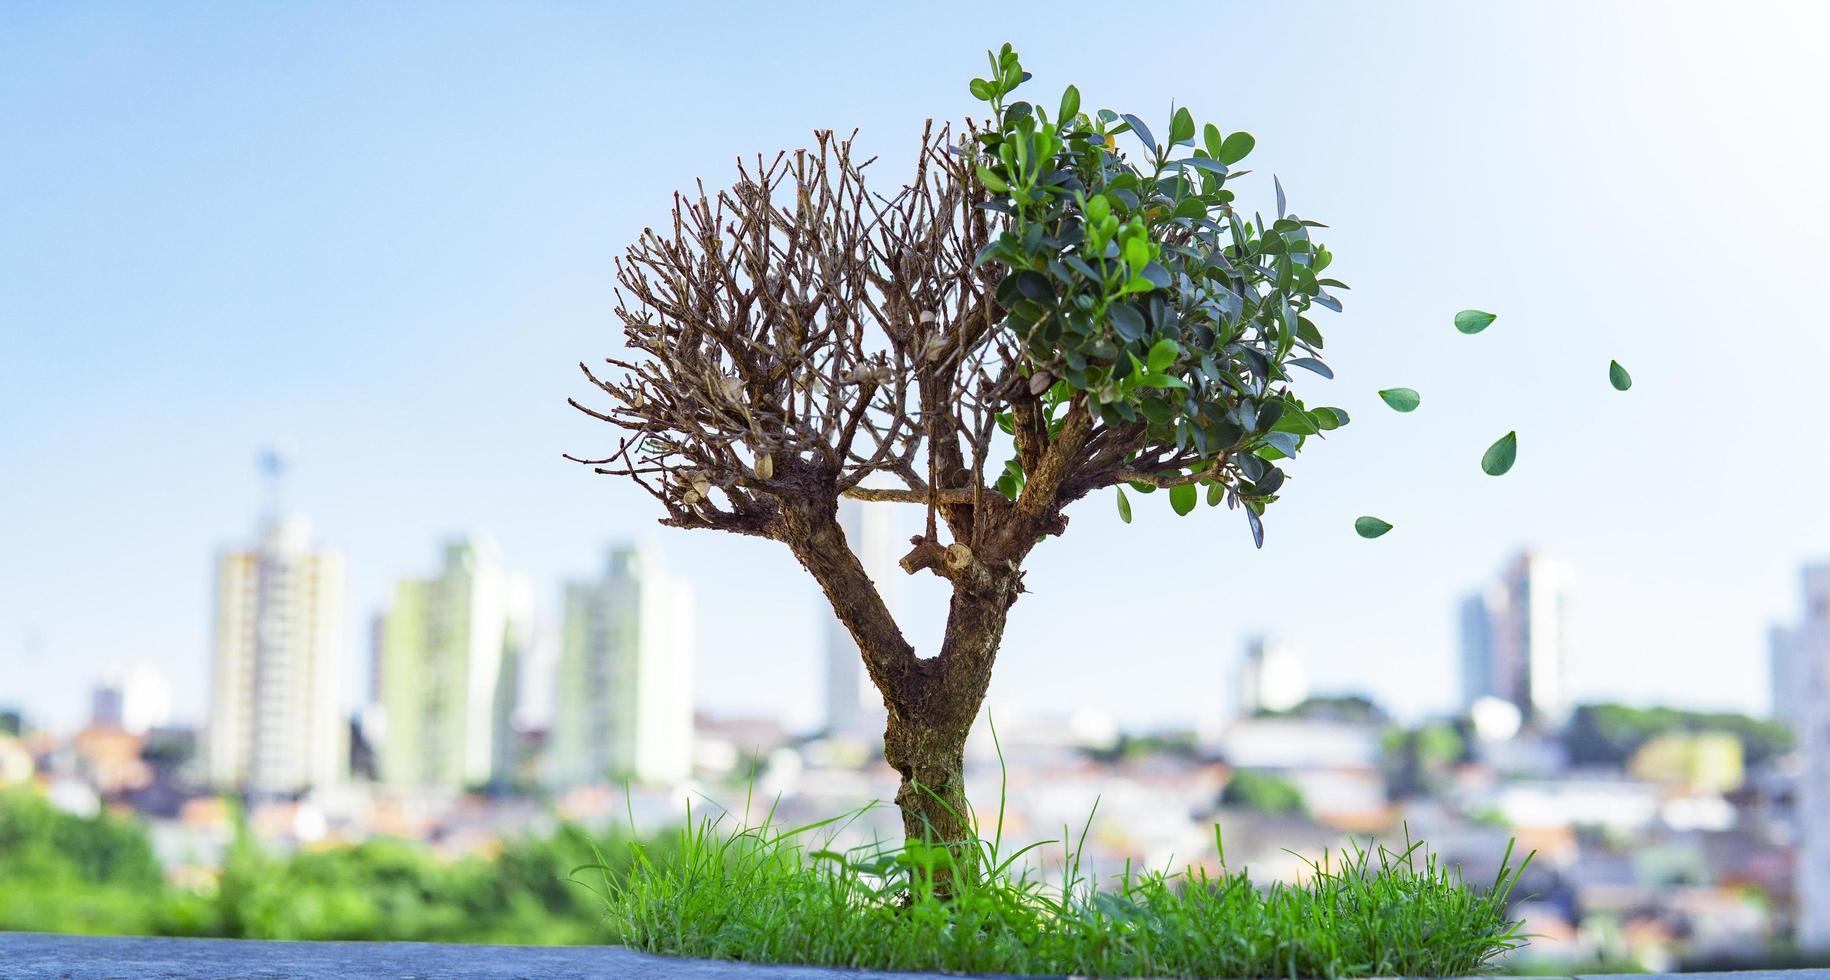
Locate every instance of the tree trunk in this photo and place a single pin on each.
(932, 702)
(931, 759)
(925, 740)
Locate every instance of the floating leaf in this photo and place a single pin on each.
(1371, 527)
(1500, 456)
(1124, 505)
(1402, 399)
(1182, 498)
(1472, 321)
(1618, 376)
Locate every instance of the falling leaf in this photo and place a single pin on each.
(1618, 376)
(1371, 527)
(1402, 399)
(1472, 321)
(1500, 456)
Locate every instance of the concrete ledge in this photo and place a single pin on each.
(38, 956)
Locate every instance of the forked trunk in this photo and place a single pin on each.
(925, 741)
(933, 701)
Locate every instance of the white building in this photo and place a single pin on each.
(1271, 677)
(451, 646)
(1786, 673)
(1513, 644)
(133, 699)
(854, 707)
(1810, 646)
(623, 704)
(276, 724)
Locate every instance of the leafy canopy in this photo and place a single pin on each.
(1134, 280)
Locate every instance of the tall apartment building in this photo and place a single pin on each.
(133, 699)
(451, 647)
(276, 722)
(623, 703)
(1271, 677)
(854, 707)
(1806, 652)
(1513, 644)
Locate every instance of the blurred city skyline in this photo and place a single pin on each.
(385, 238)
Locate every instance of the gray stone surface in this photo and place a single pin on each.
(34, 956)
(1726, 975)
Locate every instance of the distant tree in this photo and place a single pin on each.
(1265, 793)
(1355, 709)
(1609, 734)
(1416, 759)
(1034, 316)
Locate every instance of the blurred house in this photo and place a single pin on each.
(1701, 762)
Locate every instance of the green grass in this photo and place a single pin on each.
(765, 895)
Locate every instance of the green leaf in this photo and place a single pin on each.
(1328, 419)
(1162, 354)
(1182, 127)
(1401, 399)
(1500, 456)
(1472, 321)
(1070, 105)
(1618, 376)
(1313, 364)
(1371, 527)
(1155, 380)
(981, 90)
(1142, 131)
(1126, 320)
(1210, 139)
(1182, 498)
(992, 181)
(1124, 505)
(1236, 147)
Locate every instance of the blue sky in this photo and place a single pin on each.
(384, 234)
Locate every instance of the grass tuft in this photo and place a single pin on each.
(759, 894)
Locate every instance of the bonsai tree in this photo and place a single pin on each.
(1056, 302)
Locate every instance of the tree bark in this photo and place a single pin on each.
(925, 739)
(932, 702)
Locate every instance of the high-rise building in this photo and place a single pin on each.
(1271, 677)
(134, 699)
(854, 707)
(623, 702)
(1808, 651)
(276, 724)
(1786, 676)
(1512, 639)
(450, 649)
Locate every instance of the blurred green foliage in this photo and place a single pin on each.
(66, 873)
(1264, 793)
(1608, 734)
